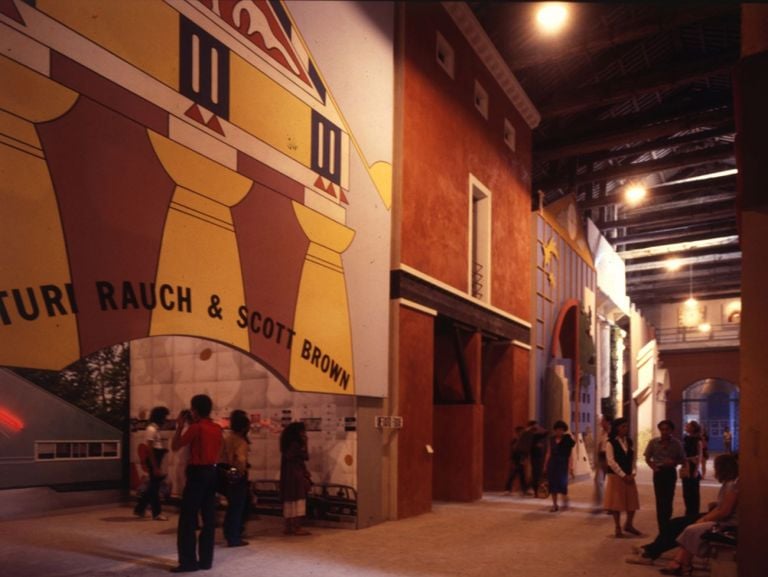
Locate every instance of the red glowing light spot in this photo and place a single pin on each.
(11, 421)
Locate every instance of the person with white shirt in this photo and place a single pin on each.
(151, 455)
(620, 487)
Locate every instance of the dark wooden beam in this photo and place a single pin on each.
(692, 202)
(682, 292)
(683, 233)
(677, 74)
(638, 169)
(725, 269)
(613, 132)
(405, 285)
(664, 192)
(604, 38)
(726, 252)
(715, 279)
(684, 216)
(658, 297)
(722, 128)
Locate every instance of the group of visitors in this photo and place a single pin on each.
(214, 456)
(527, 454)
(616, 487)
(664, 454)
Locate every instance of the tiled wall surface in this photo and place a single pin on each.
(171, 370)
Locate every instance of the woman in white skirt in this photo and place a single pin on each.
(620, 487)
(722, 513)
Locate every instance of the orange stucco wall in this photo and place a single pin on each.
(458, 474)
(415, 375)
(458, 434)
(445, 139)
(506, 406)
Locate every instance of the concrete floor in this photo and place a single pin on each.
(494, 537)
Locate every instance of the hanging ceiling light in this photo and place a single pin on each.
(692, 314)
(691, 302)
(551, 17)
(635, 193)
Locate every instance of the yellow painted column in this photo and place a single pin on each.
(321, 355)
(199, 257)
(38, 327)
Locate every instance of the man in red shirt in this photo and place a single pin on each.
(204, 438)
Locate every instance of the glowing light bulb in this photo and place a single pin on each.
(705, 327)
(551, 17)
(691, 302)
(674, 264)
(635, 193)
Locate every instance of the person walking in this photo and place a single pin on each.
(516, 464)
(600, 463)
(558, 463)
(535, 441)
(236, 446)
(620, 488)
(295, 479)
(663, 454)
(690, 472)
(151, 455)
(204, 438)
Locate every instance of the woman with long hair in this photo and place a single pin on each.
(294, 476)
(236, 446)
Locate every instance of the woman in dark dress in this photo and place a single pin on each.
(558, 463)
(690, 471)
(294, 477)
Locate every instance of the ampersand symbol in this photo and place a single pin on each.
(214, 311)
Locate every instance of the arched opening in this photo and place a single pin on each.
(84, 424)
(714, 403)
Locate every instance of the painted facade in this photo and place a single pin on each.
(565, 319)
(461, 277)
(215, 180)
(204, 175)
(184, 167)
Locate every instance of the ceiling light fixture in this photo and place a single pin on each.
(674, 264)
(635, 193)
(691, 313)
(551, 17)
(691, 301)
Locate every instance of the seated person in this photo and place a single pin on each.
(722, 511)
(724, 514)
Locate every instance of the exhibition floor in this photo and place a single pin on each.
(496, 536)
